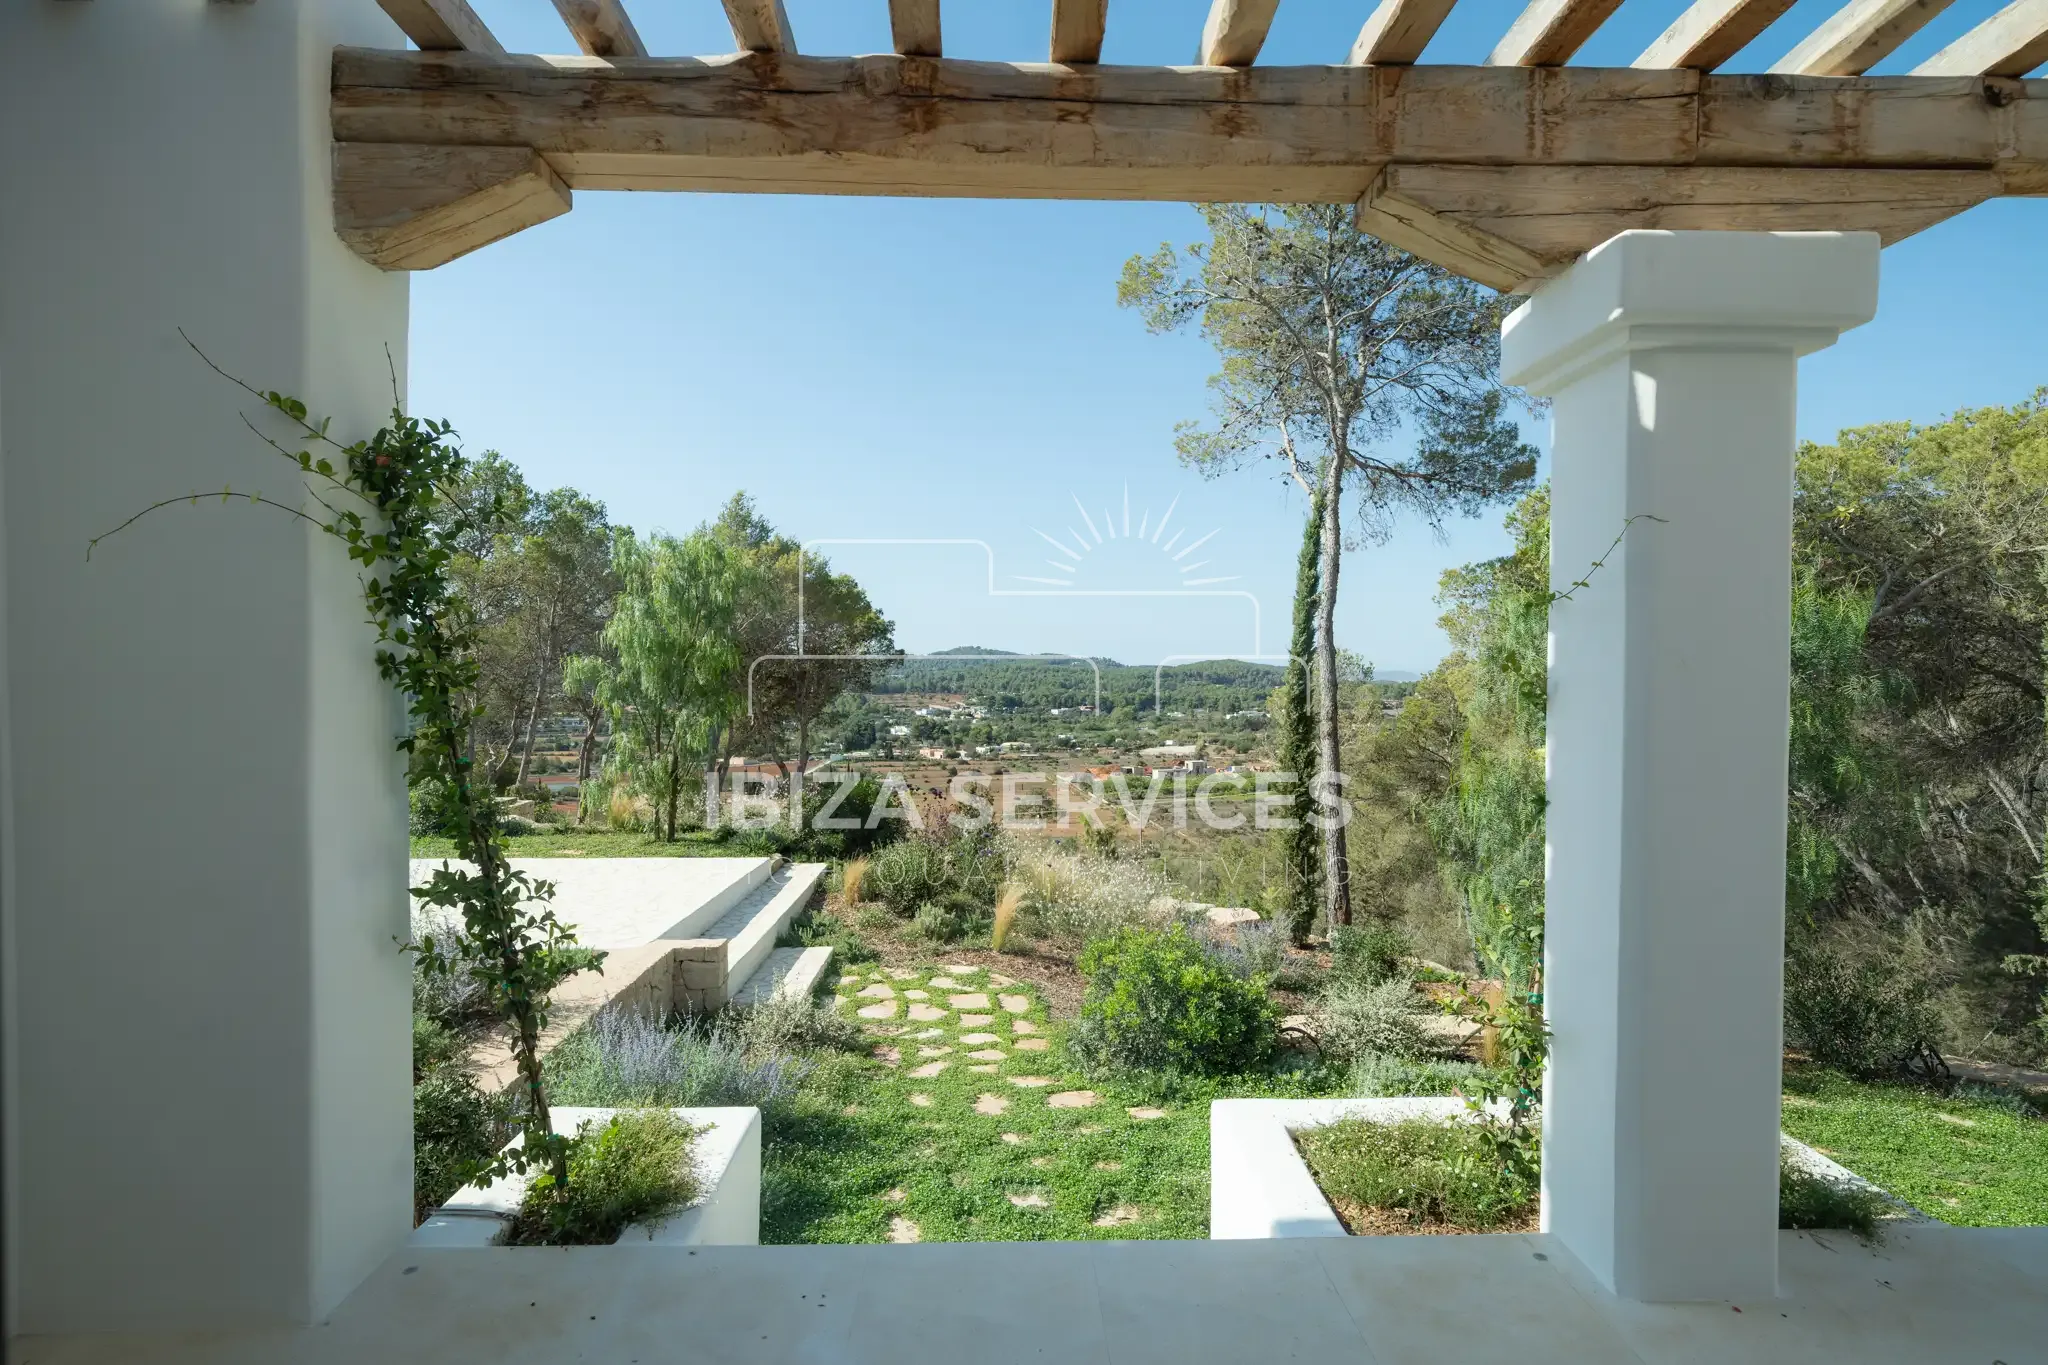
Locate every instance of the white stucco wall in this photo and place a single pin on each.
(209, 1111)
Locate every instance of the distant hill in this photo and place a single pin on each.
(1005, 680)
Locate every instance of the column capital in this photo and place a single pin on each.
(1782, 291)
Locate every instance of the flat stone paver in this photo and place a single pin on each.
(1091, 1128)
(946, 983)
(1071, 1099)
(929, 1051)
(1120, 1215)
(1015, 1004)
(929, 1033)
(991, 1104)
(989, 1054)
(888, 1054)
(1144, 1115)
(1109, 1165)
(1032, 1044)
(958, 968)
(976, 1020)
(924, 1014)
(1028, 1201)
(901, 1229)
(1015, 1139)
(986, 1068)
(973, 1038)
(927, 1071)
(878, 991)
(902, 974)
(1023, 1026)
(1031, 1082)
(998, 979)
(974, 1000)
(885, 1009)
(1041, 1162)
(897, 1195)
(921, 1101)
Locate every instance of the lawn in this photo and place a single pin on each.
(603, 843)
(1971, 1162)
(961, 1127)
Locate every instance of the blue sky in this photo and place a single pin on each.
(875, 368)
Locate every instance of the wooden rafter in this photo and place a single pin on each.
(602, 28)
(1077, 29)
(760, 25)
(914, 27)
(1858, 36)
(1548, 32)
(2011, 42)
(1235, 31)
(1712, 31)
(441, 25)
(1397, 31)
(413, 208)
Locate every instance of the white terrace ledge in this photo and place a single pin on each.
(1929, 1293)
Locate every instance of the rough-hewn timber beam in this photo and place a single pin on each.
(2011, 42)
(1858, 36)
(914, 27)
(893, 125)
(413, 207)
(1236, 30)
(441, 25)
(1712, 31)
(760, 25)
(1396, 32)
(601, 28)
(1077, 29)
(1548, 32)
(1509, 225)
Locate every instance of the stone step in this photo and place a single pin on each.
(717, 963)
(788, 972)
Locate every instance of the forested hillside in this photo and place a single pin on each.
(1008, 682)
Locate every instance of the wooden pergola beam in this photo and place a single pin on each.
(441, 25)
(602, 28)
(914, 28)
(413, 208)
(2011, 42)
(1235, 31)
(1397, 31)
(1077, 30)
(760, 25)
(1548, 32)
(1712, 31)
(1857, 37)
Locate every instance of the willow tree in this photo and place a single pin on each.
(1369, 377)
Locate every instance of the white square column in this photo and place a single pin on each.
(1671, 360)
(207, 1068)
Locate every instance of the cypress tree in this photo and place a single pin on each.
(1304, 846)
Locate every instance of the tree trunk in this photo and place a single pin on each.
(1336, 863)
(1303, 874)
(803, 758)
(587, 752)
(540, 685)
(675, 785)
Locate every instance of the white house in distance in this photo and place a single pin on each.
(204, 1025)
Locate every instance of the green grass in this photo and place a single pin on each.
(595, 844)
(853, 1138)
(1971, 1162)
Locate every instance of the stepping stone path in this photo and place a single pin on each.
(1041, 1162)
(1118, 1216)
(927, 1071)
(878, 991)
(1031, 1044)
(1023, 1026)
(896, 1196)
(956, 967)
(902, 974)
(885, 1009)
(1144, 1115)
(901, 1229)
(931, 1051)
(946, 983)
(988, 1054)
(976, 1020)
(889, 1055)
(988, 1068)
(998, 979)
(992, 1104)
(977, 1001)
(1028, 1201)
(1015, 1004)
(924, 1014)
(921, 1101)
(973, 1039)
(915, 995)
(1070, 1099)
(1015, 1139)
(1109, 1165)
(1030, 1082)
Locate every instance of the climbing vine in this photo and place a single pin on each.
(397, 503)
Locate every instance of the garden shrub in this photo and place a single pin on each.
(1158, 1001)
(1072, 898)
(1431, 1171)
(1353, 1018)
(434, 1045)
(1370, 951)
(857, 806)
(1808, 1200)
(1383, 1074)
(964, 868)
(786, 1024)
(455, 1128)
(638, 1167)
(823, 929)
(621, 1057)
(1250, 950)
(1865, 1018)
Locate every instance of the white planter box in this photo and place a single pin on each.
(1258, 1184)
(728, 1155)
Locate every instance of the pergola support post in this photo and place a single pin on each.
(1671, 359)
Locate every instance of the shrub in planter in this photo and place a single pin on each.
(1806, 1200)
(637, 1168)
(1353, 1019)
(1864, 1018)
(1158, 1001)
(1425, 1171)
(1377, 1074)
(455, 1128)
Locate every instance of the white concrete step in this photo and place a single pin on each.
(787, 973)
(751, 927)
